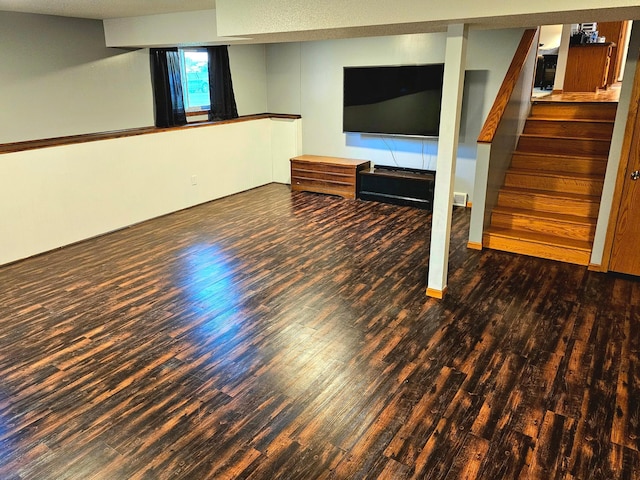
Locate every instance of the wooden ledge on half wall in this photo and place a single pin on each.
(131, 132)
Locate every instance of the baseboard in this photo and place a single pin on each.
(594, 267)
(474, 245)
(439, 294)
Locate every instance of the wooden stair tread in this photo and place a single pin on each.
(552, 194)
(569, 128)
(600, 104)
(539, 238)
(574, 110)
(558, 101)
(577, 120)
(560, 217)
(561, 156)
(556, 137)
(548, 204)
(548, 173)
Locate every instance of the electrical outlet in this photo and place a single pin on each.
(194, 180)
(459, 199)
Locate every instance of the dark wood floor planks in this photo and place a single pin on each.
(274, 335)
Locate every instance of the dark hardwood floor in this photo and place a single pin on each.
(271, 335)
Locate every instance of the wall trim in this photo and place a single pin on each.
(131, 132)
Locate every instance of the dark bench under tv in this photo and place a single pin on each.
(399, 186)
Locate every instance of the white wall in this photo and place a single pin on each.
(58, 78)
(309, 75)
(322, 95)
(489, 55)
(249, 76)
(550, 36)
(283, 78)
(563, 55)
(169, 29)
(493, 159)
(286, 143)
(54, 196)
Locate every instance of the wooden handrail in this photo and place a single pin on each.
(506, 89)
(131, 132)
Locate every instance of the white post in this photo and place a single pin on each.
(455, 57)
(563, 55)
(481, 182)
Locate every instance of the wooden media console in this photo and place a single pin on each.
(400, 186)
(351, 178)
(332, 175)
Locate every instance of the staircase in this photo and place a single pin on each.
(549, 203)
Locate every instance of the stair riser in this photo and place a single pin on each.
(554, 184)
(590, 111)
(576, 231)
(582, 208)
(523, 247)
(571, 162)
(560, 165)
(567, 128)
(563, 146)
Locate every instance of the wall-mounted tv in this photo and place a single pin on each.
(393, 100)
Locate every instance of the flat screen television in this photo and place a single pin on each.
(393, 100)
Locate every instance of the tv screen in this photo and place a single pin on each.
(393, 100)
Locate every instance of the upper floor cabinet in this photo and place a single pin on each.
(591, 66)
(615, 32)
(587, 67)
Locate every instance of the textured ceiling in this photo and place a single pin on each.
(101, 9)
(108, 9)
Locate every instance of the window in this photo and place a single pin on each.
(194, 64)
(191, 82)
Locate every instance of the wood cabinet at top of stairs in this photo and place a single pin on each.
(587, 67)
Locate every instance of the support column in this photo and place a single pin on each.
(563, 54)
(453, 86)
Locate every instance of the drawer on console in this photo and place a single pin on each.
(321, 175)
(304, 181)
(322, 167)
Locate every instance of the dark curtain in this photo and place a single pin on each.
(223, 102)
(167, 87)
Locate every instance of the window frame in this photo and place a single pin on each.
(192, 111)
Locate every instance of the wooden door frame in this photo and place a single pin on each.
(632, 122)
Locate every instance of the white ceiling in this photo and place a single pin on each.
(101, 9)
(111, 9)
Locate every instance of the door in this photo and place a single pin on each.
(625, 253)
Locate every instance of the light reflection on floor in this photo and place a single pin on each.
(214, 299)
(209, 278)
(296, 343)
